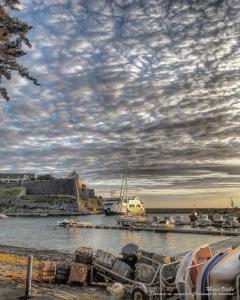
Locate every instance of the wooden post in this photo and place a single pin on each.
(29, 277)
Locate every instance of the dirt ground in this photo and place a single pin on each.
(13, 265)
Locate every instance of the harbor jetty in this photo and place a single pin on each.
(151, 229)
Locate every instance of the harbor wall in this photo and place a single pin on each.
(51, 187)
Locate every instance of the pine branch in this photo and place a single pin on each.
(12, 39)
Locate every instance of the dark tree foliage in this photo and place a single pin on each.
(45, 177)
(12, 39)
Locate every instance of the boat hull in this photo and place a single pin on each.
(188, 271)
(222, 278)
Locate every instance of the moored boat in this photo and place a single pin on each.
(131, 220)
(162, 222)
(179, 220)
(193, 216)
(64, 223)
(217, 220)
(202, 289)
(188, 271)
(234, 221)
(114, 206)
(203, 221)
(134, 211)
(222, 279)
(226, 224)
(2, 216)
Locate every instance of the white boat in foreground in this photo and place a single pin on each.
(223, 278)
(188, 271)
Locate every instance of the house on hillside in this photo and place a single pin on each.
(16, 177)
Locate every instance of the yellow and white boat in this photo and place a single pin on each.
(131, 209)
(135, 206)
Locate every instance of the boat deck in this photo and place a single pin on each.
(231, 242)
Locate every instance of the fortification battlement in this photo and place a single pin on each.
(51, 187)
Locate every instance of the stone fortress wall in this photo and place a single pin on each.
(51, 196)
(62, 186)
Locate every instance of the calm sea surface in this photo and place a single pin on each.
(42, 233)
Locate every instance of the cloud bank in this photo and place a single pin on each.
(152, 85)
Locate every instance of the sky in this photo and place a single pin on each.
(151, 85)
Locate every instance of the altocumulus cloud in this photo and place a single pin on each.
(149, 84)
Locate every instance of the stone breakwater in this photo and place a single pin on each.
(156, 230)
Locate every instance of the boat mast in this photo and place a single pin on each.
(121, 191)
(126, 186)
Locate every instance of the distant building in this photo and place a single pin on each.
(16, 177)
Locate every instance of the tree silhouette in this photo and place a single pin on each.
(12, 40)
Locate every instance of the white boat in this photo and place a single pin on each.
(2, 216)
(203, 221)
(73, 223)
(202, 289)
(179, 220)
(43, 215)
(162, 222)
(222, 279)
(132, 208)
(64, 223)
(234, 221)
(126, 220)
(114, 206)
(188, 271)
(217, 220)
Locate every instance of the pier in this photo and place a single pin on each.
(157, 230)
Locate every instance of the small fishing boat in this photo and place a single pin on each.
(188, 270)
(64, 223)
(133, 207)
(226, 224)
(2, 216)
(162, 222)
(179, 220)
(73, 223)
(193, 216)
(131, 220)
(234, 221)
(217, 220)
(43, 215)
(203, 221)
(223, 277)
